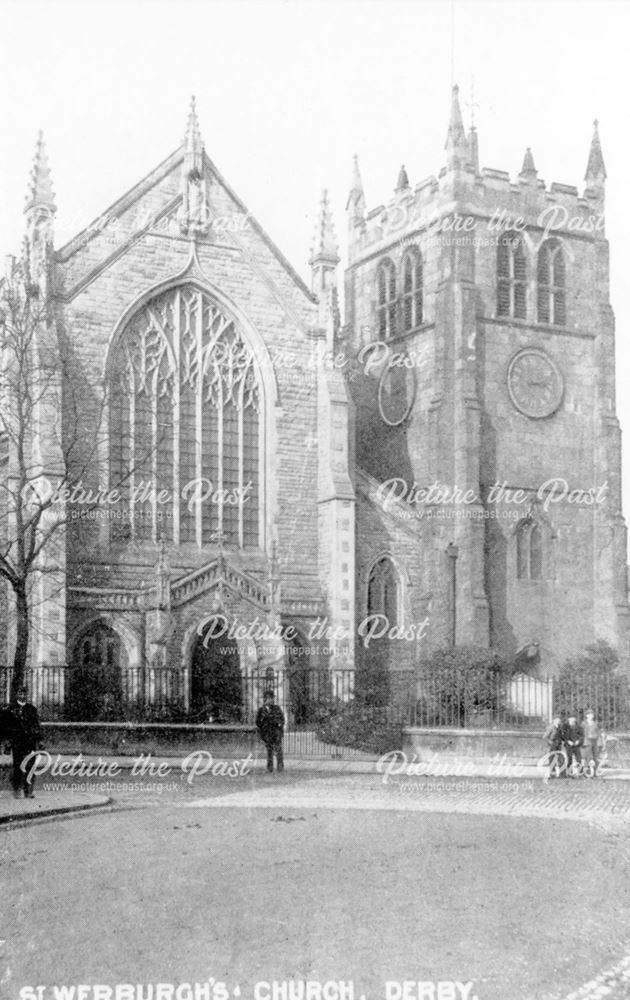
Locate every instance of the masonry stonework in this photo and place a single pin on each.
(441, 466)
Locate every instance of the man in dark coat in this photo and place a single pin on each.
(573, 739)
(270, 725)
(555, 758)
(25, 738)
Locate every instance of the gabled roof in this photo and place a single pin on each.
(153, 178)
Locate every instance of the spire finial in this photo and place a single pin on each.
(194, 213)
(595, 168)
(325, 241)
(402, 184)
(529, 167)
(456, 145)
(40, 192)
(356, 198)
(193, 143)
(323, 261)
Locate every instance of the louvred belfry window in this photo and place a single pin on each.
(551, 276)
(184, 425)
(387, 302)
(511, 277)
(412, 289)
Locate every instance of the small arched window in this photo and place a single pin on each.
(411, 289)
(382, 598)
(511, 277)
(551, 284)
(386, 290)
(529, 550)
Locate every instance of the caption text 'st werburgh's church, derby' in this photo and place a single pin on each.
(256, 480)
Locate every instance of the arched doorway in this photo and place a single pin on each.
(308, 688)
(376, 660)
(215, 684)
(95, 689)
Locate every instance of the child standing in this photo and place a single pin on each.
(592, 742)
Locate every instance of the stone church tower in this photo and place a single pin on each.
(488, 451)
(252, 487)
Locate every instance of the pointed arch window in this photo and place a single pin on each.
(411, 289)
(184, 424)
(551, 275)
(511, 277)
(383, 590)
(529, 551)
(386, 296)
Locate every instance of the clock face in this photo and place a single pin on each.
(534, 383)
(396, 393)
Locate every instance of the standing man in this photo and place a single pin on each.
(573, 738)
(25, 738)
(270, 725)
(555, 758)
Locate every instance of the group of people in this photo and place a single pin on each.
(573, 746)
(21, 730)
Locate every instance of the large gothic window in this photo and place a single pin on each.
(511, 277)
(551, 284)
(184, 424)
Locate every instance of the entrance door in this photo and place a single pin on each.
(308, 689)
(95, 689)
(216, 690)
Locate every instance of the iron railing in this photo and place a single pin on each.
(170, 694)
(310, 697)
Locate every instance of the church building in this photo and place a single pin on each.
(257, 483)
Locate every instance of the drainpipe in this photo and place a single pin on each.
(452, 552)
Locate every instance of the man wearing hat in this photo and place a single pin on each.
(25, 738)
(270, 725)
(573, 739)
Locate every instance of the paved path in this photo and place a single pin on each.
(340, 785)
(47, 806)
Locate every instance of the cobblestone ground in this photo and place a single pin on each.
(603, 804)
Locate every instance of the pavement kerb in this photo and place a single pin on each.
(15, 812)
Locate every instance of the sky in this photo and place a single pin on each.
(287, 92)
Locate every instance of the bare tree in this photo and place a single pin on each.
(45, 439)
(53, 436)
